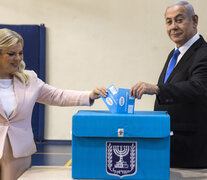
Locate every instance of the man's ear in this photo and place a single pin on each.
(195, 20)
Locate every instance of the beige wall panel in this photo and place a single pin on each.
(96, 43)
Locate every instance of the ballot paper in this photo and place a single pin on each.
(119, 101)
(125, 101)
(111, 99)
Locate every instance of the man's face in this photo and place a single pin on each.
(180, 27)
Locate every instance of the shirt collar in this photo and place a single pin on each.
(188, 44)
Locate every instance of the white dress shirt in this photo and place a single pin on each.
(7, 96)
(186, 46)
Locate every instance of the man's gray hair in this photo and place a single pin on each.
(188, 6)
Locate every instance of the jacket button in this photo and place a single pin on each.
(6, 124)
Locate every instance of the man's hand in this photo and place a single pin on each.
(141, 88)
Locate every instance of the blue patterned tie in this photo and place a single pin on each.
(172, 64)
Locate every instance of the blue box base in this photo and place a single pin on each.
(89, 158)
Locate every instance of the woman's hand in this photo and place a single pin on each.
(98, 92)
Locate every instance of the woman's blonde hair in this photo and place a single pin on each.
(9, 38)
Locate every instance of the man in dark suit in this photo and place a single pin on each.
(182, 91)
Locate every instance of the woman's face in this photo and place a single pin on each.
(10, 59)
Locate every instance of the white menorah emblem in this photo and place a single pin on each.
(121, 151)
(121, 158)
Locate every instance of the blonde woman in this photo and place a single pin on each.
(19, 90)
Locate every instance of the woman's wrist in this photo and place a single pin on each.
(157, 89)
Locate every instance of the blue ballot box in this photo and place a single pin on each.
(121, 146)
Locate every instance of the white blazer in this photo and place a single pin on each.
(18, 125)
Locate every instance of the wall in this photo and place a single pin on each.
(96, 43)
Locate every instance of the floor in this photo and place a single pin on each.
(64, 173)
(53, 162)
(53, 153)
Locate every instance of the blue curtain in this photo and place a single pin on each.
(34, 56)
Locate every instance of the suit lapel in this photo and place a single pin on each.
(19, 91)
(182, 61)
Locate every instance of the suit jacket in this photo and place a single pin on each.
(18, 126)
(184, 97)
